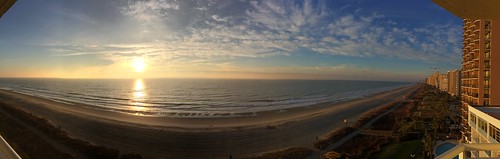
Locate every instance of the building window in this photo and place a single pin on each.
(487, 24)
(487, 54)
(487, 35)
(486, 63)
(486, 74)
(481, 124)
(473, 118)
(495, 133)
(487, 45)
(486, 102)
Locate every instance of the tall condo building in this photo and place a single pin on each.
(480, 90)
(454, 82)
(443, 82)
(480, 83)
(477, 62)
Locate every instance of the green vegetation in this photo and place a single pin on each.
(427, 121)
(400, 150)
(339, 134)
(21, 138)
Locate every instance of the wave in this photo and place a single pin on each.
(194, 102)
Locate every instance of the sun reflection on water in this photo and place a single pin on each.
(138, 96)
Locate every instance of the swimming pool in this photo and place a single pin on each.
(440, 149)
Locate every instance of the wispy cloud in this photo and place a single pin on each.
(267, 28)
(149, 10)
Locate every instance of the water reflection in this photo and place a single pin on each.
(138, 95)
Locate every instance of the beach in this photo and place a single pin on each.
(165, 137)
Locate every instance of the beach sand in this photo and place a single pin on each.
(163, 137)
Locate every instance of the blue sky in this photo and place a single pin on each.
(336, 39)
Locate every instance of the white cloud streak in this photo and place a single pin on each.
(269, 28)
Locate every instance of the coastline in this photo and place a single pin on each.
(215, 137)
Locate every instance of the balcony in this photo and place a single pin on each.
(462, 149)
(475, 95)
(487, 26)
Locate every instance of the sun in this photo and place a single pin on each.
(138, 64)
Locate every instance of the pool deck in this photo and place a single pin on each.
(439, 142)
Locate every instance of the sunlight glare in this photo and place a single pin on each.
(138, 95)
(138, 64)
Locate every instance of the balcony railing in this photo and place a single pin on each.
(475, 95)
(461, 149)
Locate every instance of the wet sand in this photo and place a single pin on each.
(163, 137)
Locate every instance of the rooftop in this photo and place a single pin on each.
(492, 111)
(473, 9)
(5, 5)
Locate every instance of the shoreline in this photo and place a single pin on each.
(260, 119)
(147, 111)
(163, 137)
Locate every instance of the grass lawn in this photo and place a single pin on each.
(400, 150)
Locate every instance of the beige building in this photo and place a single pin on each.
(443, 82)
(454, 82)
(478, 60)
(433, 79)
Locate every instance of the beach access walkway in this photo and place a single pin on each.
(316, 154)
(6, 152)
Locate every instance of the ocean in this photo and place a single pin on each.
(195, 98)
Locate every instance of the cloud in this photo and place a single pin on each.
(149, 10)
(286, 15)
(256, 29)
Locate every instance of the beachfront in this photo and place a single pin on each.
(160, 137)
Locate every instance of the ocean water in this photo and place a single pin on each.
(195, 98)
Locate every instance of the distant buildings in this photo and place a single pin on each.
(443, 82)
(433, 80)
(448, 82)
(454, 81)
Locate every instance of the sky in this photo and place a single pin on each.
(390, 40)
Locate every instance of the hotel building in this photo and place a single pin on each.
(480, 43)
(454, 82)
(443, 82)
(480, 86)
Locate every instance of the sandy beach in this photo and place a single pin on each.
(163, 137)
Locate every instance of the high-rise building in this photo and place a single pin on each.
(480, 88)
(478, 60)
(433, 79)
(477, 64)
(443, 82)
(454, 82)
